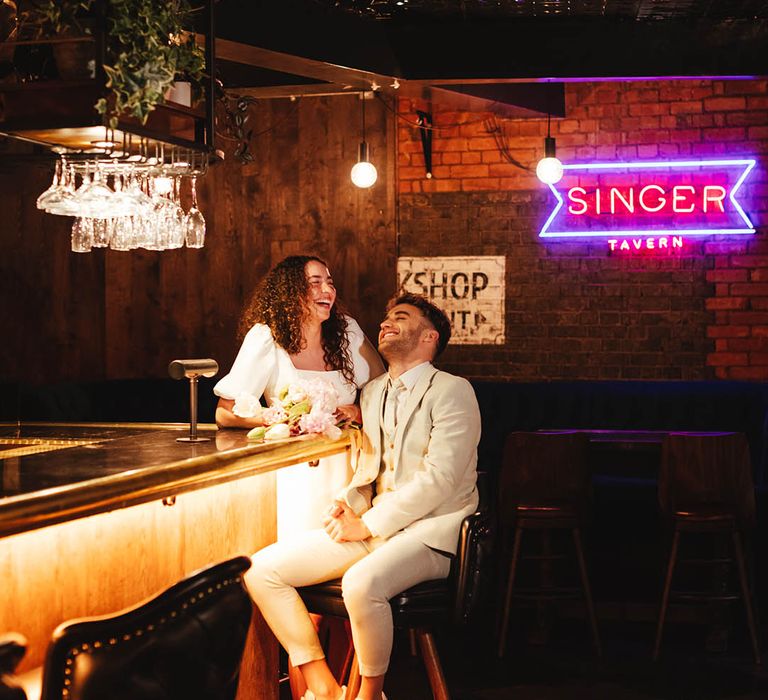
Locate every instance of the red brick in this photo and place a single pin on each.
(727, 275)
(757, 290)
(747, 373)
(479, 184)
(747, 344)
(487, 143)
(726, 303)
(410, 173)
(724, 104)
(686, 107)
(473, 171)
(451, 157)
(749, 261)
(441, 144)
(721, 359)
(731, 134)
(471, 157)
(728, 332)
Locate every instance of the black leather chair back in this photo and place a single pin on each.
(184, 644)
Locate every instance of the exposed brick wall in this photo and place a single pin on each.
(578, 310)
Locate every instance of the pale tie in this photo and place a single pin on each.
(391, 405)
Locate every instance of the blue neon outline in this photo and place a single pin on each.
(748, 162)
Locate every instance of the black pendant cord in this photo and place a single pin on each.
(425, 131)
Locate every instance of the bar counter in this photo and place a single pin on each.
(95, 518)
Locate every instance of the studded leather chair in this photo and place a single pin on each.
(184, 644)
(423, 607)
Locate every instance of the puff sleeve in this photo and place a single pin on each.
(356, 340)
(254, 366)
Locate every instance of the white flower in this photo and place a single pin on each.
(278, 431)
(247, 406)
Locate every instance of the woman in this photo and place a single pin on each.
(296, 331)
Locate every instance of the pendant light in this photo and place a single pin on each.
(549, 169)
(363, 172)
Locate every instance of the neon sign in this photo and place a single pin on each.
(618, 201)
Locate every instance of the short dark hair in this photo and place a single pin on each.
(434, 314)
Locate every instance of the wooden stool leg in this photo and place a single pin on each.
(665, 594)
(587, 590)
(349, 659)
(413, 642)
(353, 684)
(738, 549)
(433, 666)
(508, 593)
(296, 682)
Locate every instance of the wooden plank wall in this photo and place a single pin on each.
(106, 314)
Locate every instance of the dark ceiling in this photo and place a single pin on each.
(481, 53)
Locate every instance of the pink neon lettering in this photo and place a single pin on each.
(661, 201)
(583, 202)
(645, 243)
(678, 196)
(629, 204)
(715, 199)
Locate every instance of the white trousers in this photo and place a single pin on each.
(372, 571)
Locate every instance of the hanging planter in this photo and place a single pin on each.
(147, 48)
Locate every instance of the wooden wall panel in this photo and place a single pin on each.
(109, 314)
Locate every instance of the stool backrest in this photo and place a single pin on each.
(543, 467)
(186, 642)
(711, 470)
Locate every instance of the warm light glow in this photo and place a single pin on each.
(549, 170)
(363, 174)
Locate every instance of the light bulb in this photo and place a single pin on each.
(363, 172)
(549, 170)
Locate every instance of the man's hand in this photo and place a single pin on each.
(342, 525)
(348, 414)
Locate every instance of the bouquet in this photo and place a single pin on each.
(302, 408)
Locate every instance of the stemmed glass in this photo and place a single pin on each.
(194, 222)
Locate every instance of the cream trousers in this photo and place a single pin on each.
(372, 571)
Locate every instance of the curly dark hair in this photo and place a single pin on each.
(279, 302)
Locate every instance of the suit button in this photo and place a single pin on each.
(391, 445)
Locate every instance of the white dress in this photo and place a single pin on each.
(262, 367)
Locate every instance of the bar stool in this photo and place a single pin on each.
(706, 488)
(544, 486)
(424, 606)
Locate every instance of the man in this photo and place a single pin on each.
(397, 523)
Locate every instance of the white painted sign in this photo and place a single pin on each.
(469, 289)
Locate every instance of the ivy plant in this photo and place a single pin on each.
(148, 48)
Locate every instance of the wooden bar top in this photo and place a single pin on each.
(52, 473)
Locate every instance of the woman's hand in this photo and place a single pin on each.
(349, 413)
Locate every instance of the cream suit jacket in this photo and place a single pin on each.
(435, 460)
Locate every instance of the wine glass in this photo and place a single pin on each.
(194, 221)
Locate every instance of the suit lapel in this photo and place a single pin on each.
(372, 419)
